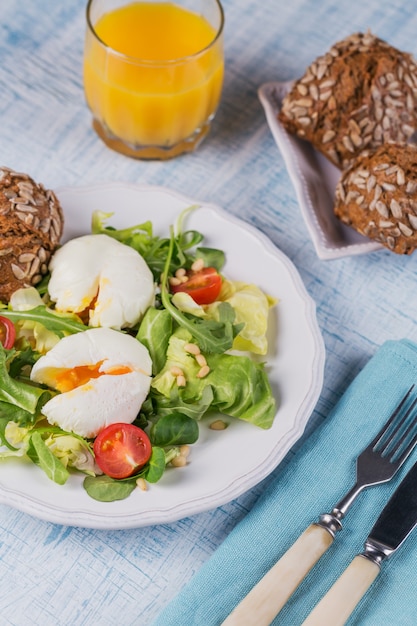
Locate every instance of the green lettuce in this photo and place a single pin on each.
(33, 332)
(155, 249)
(250, 305)
(72, 451)
(20, 395)
(239, 386)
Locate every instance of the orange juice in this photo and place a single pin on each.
(153, 73)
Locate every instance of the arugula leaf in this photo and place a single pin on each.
(212, 336)
(58, 323)
(174, 429)
(151, 247)
(154, 249)
(20, 359)
(98, 226)
(10, 412)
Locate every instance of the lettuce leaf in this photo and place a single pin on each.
(250, 305)
(239, 387)
(23, 396)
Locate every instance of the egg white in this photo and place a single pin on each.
(110, 398)
(98, 266)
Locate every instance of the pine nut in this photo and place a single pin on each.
(197, 265)
(201, 359)
(141, 483)
(218, 425)
(185, 450)
(176, 371)
(179, 461)
(203, 372)
(192, 348)
(174, 282)
(181, 382)
(180, 272)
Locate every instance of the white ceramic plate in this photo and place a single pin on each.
(222, 464)
(314, 179)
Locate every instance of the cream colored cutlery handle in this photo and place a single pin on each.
(338, 603)
(268, 597)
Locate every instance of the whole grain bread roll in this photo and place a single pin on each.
(377, 195)
(31, 223)
(360, 94)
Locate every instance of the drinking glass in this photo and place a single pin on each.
(153, 73)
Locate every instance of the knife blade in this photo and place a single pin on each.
(393, 526)
(397, 519)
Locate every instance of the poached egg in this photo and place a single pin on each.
(104, 281)
(103, 375)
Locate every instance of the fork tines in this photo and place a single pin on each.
(399, 435)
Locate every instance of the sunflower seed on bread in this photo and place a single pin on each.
(31, 223)
(377, 195)
(358, 95)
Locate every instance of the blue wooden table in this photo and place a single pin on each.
(53, 574)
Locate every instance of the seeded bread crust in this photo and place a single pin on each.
(360, 94)
(377, 196)
(31, 223)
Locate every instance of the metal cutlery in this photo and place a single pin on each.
(376, 464)
(397, 520)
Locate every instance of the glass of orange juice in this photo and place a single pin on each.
(153, 73)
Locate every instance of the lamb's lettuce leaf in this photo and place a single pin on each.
(106, 489)
(154, 333)
(41, 455)
(174, 429)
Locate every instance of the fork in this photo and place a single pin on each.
(376, 464)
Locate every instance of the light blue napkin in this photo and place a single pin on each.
(312, 483)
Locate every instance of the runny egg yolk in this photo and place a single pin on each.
(85, 313)
(81, 374)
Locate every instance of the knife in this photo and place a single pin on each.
(397, 520)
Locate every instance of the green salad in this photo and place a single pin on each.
(200, 334)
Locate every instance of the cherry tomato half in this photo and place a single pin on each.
(7, 332)
(203, 286)
(121, 450)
